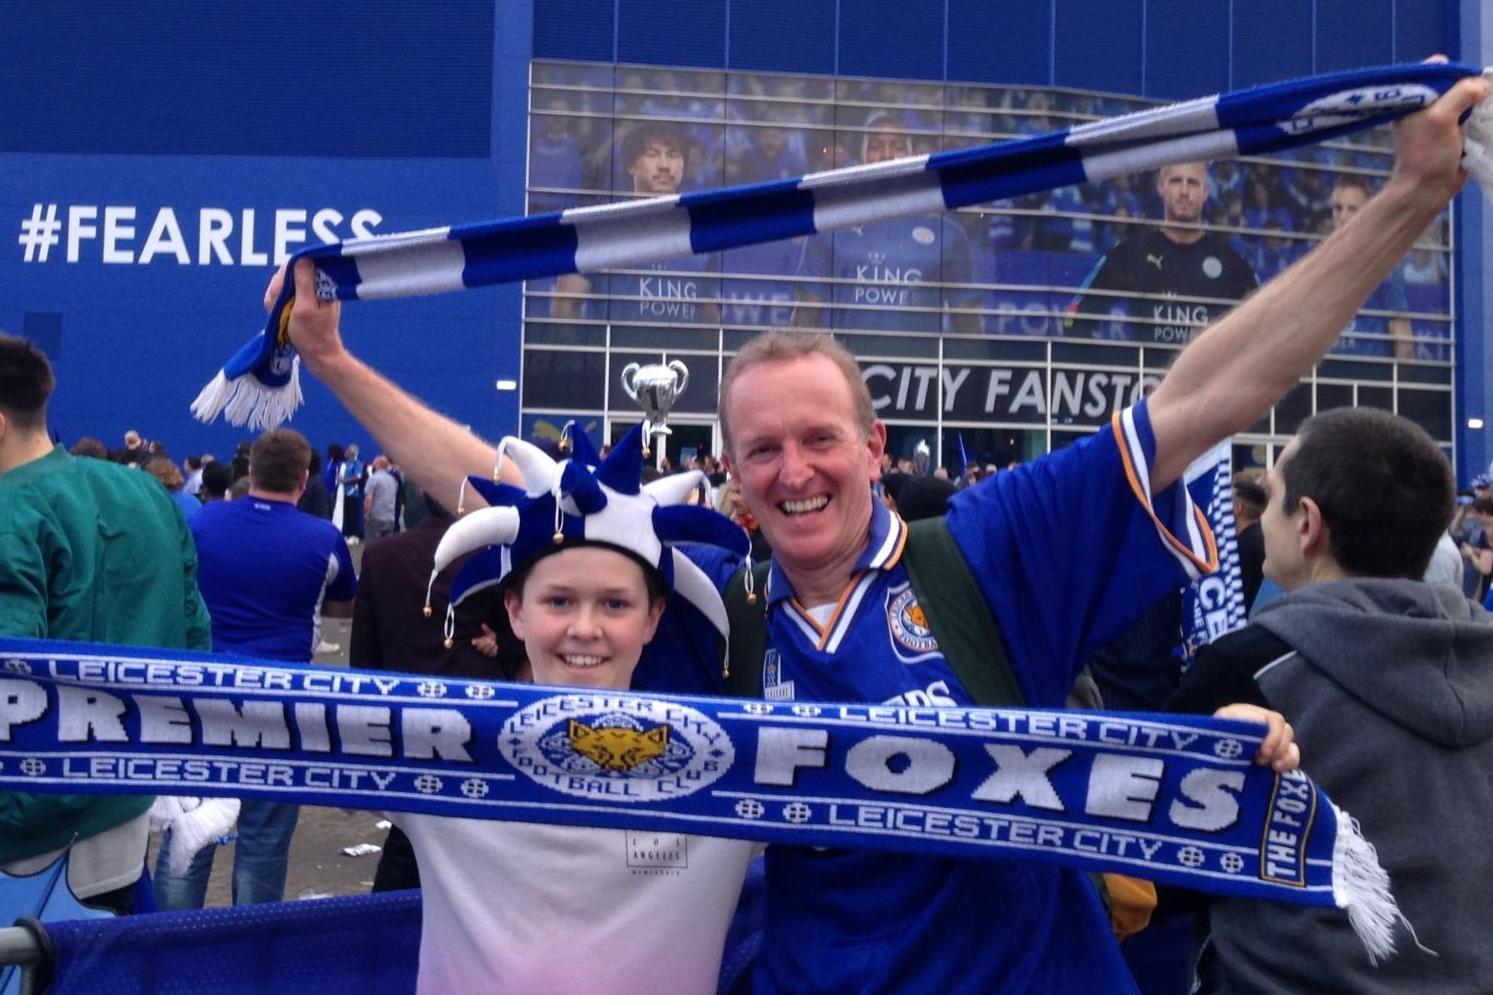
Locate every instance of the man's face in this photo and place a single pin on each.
(658, 169)
(803, 463)
(1280, 528)
(884, 145)
(1346, 202)
(1184, 191)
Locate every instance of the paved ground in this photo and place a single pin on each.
(317, 865)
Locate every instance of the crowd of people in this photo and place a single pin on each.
(1374, 678)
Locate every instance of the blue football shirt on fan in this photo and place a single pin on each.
(265, 568)
(1067, 550)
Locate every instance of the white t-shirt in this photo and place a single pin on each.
(516, 907)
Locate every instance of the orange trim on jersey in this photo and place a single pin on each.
(891, 561)
(1207, 566)
(828, 629)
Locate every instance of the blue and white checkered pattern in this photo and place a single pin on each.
(1248, 122)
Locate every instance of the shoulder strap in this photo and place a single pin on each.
(748, 643)
(958, 615)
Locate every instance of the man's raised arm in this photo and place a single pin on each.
(431, 448)
(1231, 375)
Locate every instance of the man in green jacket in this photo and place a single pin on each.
(89, 550)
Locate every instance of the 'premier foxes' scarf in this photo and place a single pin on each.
(1169, 798)
(259, 384)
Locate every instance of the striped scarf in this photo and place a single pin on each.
(1170, 798)
(259, 385)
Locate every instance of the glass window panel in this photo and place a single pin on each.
(563, 379)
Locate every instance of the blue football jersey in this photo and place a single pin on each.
(887, 274)
(1067, 551)
(673, 292)
(753, 297)
(265, 568)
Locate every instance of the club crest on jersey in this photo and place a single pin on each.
(908, 624)
(590, 745)
(774, 688)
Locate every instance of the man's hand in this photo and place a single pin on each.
(1279, 751)
(1428, 144)
(487, 643)
(313, 322)
(433, 450)
(1229, 377)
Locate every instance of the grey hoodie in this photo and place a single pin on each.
(1390, 691)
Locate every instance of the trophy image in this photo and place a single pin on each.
(922, 457)
(655, 387)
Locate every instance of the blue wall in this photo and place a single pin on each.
(173, 117)
(1158, 48)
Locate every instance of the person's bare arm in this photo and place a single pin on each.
(337, 609)
(431, 448)
(1231, 375)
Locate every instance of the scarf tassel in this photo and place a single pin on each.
(1360, 886)
(248, 400)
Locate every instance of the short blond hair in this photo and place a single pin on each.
(780, 345)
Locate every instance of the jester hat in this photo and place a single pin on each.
(587, 500)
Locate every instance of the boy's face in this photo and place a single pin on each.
(584, 615)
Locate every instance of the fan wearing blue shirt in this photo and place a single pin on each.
(268, 573)
(804, 446)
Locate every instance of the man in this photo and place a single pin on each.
(350, 487)
(135, 450)
(1249, 505)
(673, 292)
(1390, 682)
(391, 632)
(381, 500)
(888, 275)
(804, 447)
(1175, 279)
(193, 482)
(91, 551)
(1349, 194)
(270, 572)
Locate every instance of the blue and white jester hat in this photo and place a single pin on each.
(588, 500)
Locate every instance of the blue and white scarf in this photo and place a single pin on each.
(259, 384)
(1171, 798)
(1214, 603)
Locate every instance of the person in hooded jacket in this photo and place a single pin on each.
(1388, 681)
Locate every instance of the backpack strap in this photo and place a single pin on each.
(748, 644)
(958, 615)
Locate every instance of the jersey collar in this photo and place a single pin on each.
(888, 534)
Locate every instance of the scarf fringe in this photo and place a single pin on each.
(1360, 885)
(245, 400)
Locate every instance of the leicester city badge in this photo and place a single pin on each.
(624, 749)
(774, 688)
(911, 637)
